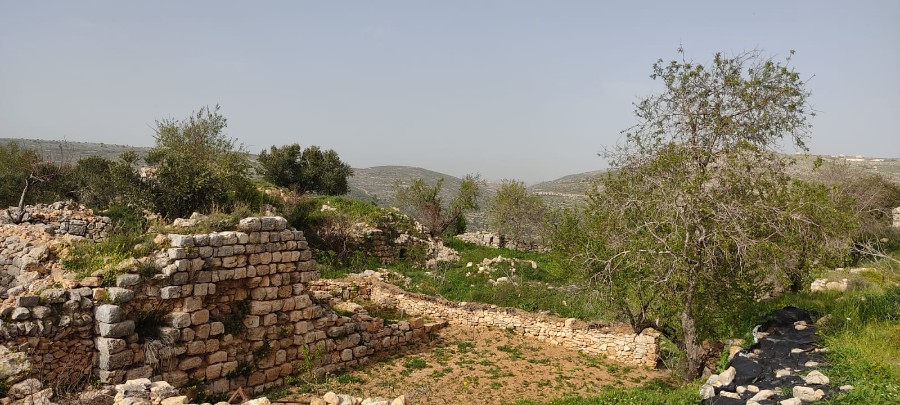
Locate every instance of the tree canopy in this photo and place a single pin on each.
(698, 218)
(423, 201)
(515, 213)
(197, 165)
(305, 170)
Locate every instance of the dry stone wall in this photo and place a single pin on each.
(225, 310)
(54, 331)
(231, 309)
(68, 218)
(490, 239)
(617, 344)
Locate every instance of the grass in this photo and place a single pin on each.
(87, 257)
(652, 393)
(544, 288)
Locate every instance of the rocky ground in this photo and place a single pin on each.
(786, 366)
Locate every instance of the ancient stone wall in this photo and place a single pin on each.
(68, 218)
(617, 344)
(54, 331)
(231, 309)
(490, 239)
(225, 310)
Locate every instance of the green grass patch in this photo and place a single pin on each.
(411, 364)
(86, 257)
(655, 392)
(867, 357)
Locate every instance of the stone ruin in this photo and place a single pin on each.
(231, 310)
(66, 218)
(490, 239)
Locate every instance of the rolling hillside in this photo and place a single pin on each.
(377, 184)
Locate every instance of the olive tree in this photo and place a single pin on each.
(423, 201)
(513, 212)
(197, 165)
(101, 183)
(305, 170)
(27, 175)
(695, 217)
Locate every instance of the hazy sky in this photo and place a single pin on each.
(510, 89)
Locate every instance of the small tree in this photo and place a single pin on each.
(685, 231)
(305, 170)
(198, 167)
(515, 213)
(282, 166)
(22, 172)
(423, 202)
(101, 182)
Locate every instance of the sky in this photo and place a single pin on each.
(528, 90)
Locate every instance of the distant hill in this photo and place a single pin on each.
(377, 183)
(69, 151)
(572, 184)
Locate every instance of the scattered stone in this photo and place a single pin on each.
(807, 394)
(782, 372)
(762, 395)
(816, 378)
(707, 391)
(725, 378)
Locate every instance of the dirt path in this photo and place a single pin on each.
(480, 366)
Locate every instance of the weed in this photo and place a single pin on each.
(412, 364)
(243, 369)
(347, 378)
(277, 393)
(464, 347)
(514, 352)
(263, 350)
(148, 323)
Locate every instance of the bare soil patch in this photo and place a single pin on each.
(462, 365)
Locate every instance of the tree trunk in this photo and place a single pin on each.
(21, 212)
(693, 351)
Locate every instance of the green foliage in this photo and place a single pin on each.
(423, 202)
(125, 219)
(31, 177)
(871, 197)
(305, 170)
(331, 227)
(86, 257)
(263, 350)
(101, 183)
(276, 393)
(197, 166)
(700, 210)
(868, 359)
(515, 213)
(411, 364)
(655, 392)
(234, 320)
(243, 369)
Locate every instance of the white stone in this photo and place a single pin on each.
(807, 394)
(816, 378)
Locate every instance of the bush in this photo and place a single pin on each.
(305, 170)
(197, 166)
